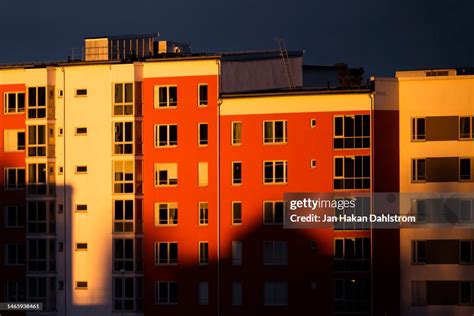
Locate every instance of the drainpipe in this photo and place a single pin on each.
(65, 247)
(372, 136)
(219, 102)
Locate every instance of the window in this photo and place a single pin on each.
(81, 92)
(419, 210)
(40, 217)
(362, 208)
(123, 216)
(42, 289)
(236, 293)
(14, 216)
(203, 253)
(465, 169)
(37, 141)
(166, 292)
(203, 213)
(236, 253)
(275, 293)
(14, 102)
(275, 172)
(166, 135)
(352, 254)
(466, 127)
(81, 169)
(418, 251)
(14, 178)
(274, 132)
(81, 131)
(203, 293)
(203, 134)
(81, 285)
(466, 208)
(236, 213)
(236, 172)
(351, 296)
(418, 293)
(123, 177)
(236, 133)
(313, 122)
(15, 291)
(123, 99)
(36, 102)
(81, 208)
(81, 246)
(14, 254)
(166, 174)
(166, 214)
(41, 255)
(166, 253)
(466, 291)
(166, 96)
(275, 253)
(37, 179)
(203, 94)
(313, 163)
(123, 254)
(123, 138)
(273, 212)
(127, 293)
(465, 251)
(418, 170)
(13, 140)
(352, 172)
(203, 174)
(418, 130)
(352, 131)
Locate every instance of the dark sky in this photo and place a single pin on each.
(379, 35)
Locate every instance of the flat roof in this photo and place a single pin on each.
(299, 91)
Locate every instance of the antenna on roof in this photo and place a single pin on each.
(286, 61)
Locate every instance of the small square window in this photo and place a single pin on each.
(81, 131)
(81, 285)
(81, 246)
(81, 208)
(81, 169)
(81, 92)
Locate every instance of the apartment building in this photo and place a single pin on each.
(436, 156)
(153, 182)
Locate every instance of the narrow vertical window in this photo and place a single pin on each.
(203, 134)
(236, 172)
(203, 95)
(236, 133)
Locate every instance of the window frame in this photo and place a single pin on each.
(236, 221)
(471, 172)
(236, 181)
(169, 182)
(200, 104)
(416, 259)
(273, 222)
(169, 210)
(274, 138)
(18, 147)
(203, 142)
(124, 184)
(168, 261)
(169, 142)
(169, 300)
(203, 220)
(471, 128)
(124, 221)
(414, 129)
(123, 105)
(343, 136)
(18, 218)
(80, 93)
(123, 143)
(37, 108)
(169, 104)
(274, 258)
(6, 102)
(274, 165)
(235, 141)
(343, 177)
(17, 186)
(203, 253)
(415, 177)
(123, 260)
